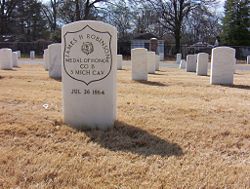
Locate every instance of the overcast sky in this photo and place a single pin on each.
(220, 7)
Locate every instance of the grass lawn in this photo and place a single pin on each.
(174, 131)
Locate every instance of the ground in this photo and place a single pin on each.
(174, 131)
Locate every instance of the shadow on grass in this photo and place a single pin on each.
(10, 69)
(246, 87)
(127, 138)
(157, 73)
(153, 83)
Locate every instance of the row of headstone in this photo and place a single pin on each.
(8, 59)
(52, 60)
(144, 62)
(222, 65)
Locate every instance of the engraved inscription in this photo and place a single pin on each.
(87, 55)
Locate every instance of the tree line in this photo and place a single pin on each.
(177, 21)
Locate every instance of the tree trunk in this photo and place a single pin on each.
(86, 10)
(177, 40)
(78, 15)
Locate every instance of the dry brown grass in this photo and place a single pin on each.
(174, 131)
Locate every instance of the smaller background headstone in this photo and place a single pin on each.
(119, 62)
(202, 64)
(157, 62)
(18, 54)
(32, 54)
(139, 64)
(248, 59)
(151, 62)
(46, 59)
(182, 64)
(55, 61)
(153, 45)
(191, 63)
(178, 58)
(222, 66)
(15, 59)
(6, 62)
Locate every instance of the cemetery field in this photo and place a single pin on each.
(173, 131)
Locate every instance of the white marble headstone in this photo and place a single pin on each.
(248, 59)
(139, 64)
(202, 64)
(178, 58)
(119, 62)
(182, 64)
(32, 54)
(191, 63)
(18, 54)
(89, 74)
(222, 66)
(151, 62)
(157, 62)
(55, 61)
(6, 61)
(15, 59)
(46, 59)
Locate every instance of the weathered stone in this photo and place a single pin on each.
(151, 62)
(191, 63)
(202, 64)
(119, 62)
(55, 61)
(6, 61)
(178, 58)
(222, 66)
(89, 74)
(139, 64)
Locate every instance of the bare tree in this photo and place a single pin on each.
(172, 14)
(202, 25)
(51, 13)
(73, 10)
(119, 15)
(6, 10)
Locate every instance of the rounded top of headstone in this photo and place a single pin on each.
(153, 39)
(54, 45)
(223, 49)
(151, 52)
(79, 24)
(139, 49)
(5, 49)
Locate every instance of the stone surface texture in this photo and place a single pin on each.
(202, 64)
(222, 66)
(6, 61)
(89, 55)
(55, 61)
(139, 64)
